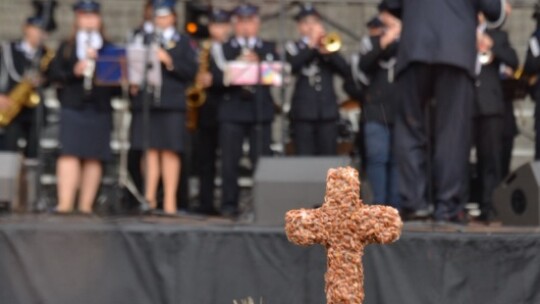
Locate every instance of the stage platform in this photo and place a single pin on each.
(88, 260)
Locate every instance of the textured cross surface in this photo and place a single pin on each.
(344, 225)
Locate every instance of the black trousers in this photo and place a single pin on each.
(207, 146)
(489, 146)
(231, 137)
(21, 129)
(317, 137)
(537, 131)
(509, 132)
(452, 90)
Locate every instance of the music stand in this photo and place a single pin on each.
(257, 74)
(112, 71)
(145, 71)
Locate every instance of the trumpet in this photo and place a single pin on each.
(332, 42)
(520, 74)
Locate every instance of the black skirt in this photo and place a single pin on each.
(86, 133)
(167, 130)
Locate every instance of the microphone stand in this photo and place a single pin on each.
(125, 181)
(144, 89)
(41, 204)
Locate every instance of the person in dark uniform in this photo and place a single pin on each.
(86, 119)
(144, 31)
(167, 127)
(245, 111)
(208, 131)
(377, 62)
(532, 68)
(495, 54)
(18, 61)
(436, 61)
(314, 109)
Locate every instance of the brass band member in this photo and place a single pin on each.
(85, 121)
(496, 55)
(167, 115)
(246, 111)
(208, 132)
(377, 62)
(144, 31)
(17, 62)
(314, 110)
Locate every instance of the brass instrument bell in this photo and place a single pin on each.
(332, 42)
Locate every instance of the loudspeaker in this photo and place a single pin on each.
(286, 183)
(517, 199)
(10, 179)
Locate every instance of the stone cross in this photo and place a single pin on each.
(344, 226)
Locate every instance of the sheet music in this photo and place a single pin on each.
(268, 73)
(136, 57)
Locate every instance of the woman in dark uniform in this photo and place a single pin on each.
(167, 127)
(86, 119)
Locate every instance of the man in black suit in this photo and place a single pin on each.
(496, 55)
(436, 62)
(245, 111)
(532, 67)
(18, 61)
(314, 110)
(208, 130)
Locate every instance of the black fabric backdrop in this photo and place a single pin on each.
(58, 261)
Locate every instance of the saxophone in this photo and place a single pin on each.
(24, 94)
(196, 95)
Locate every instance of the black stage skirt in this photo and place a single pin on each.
(167, 130)
(86, 133)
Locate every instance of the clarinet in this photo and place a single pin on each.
(90, 68)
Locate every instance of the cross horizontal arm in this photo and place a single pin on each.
(306, 227)
(386, 224)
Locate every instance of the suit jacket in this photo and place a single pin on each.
(532, 63)
(489, 93)
(71, 92)
(314, 95)
(15, 57)
(208, 113)
(175, 82)
(442, 31)
(248, 104)
(378, 65)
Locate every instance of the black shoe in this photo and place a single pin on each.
(415, 215)
(460, 219)
(486, 217)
